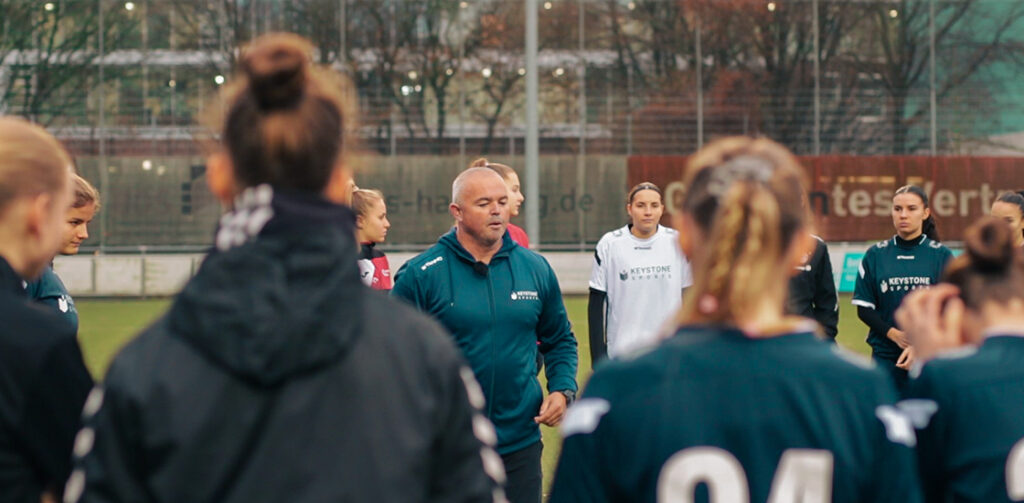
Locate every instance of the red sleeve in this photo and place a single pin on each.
(519, 235)
(381, 273)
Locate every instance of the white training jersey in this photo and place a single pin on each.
(644, 279)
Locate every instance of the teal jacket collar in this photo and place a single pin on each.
(451, 241)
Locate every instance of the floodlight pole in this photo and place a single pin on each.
(700, 82)
(532, 126)
(343, 36)
(817, 80)
(581, 156)
(102, 127)
(931, 77)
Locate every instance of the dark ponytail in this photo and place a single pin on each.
(928, 227)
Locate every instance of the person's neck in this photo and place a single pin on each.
(13, 255)
(635, 231)
(998, 317)
(765, 319)
(910, 237)
(483, 252)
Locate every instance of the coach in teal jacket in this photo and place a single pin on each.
(498, 299)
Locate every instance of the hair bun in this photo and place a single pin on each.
(989, 245)
(277, 67)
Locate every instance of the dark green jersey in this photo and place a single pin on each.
(970, 408)
(50, 290)
(711, 415)
(889, 271)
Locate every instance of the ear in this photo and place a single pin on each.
(455, 212)
(220, 177)
(36, 212)
(360, 221)
(927, 213)
(340, 186)
(800, 249)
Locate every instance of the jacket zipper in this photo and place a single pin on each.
(490, 298)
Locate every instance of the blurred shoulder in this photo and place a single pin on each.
(31, 325)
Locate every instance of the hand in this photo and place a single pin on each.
(899, 337)
(48, 497)
(906, 359)
(552, 410)
(933, 319)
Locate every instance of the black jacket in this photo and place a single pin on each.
(43, 384)
(812, 291)
(277, 376)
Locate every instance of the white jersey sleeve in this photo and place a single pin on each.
(599, 271)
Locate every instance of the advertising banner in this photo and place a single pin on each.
(852, 195)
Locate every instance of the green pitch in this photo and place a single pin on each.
(107, 324)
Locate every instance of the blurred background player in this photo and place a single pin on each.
(372, 228)
(743, 403)
(273, 377)
(515, 196)
(49, 289)
(43, 380)
(637, 279)
(913, 258)
(498, 299)
(812, 290)
(1010, 207)
(967, 398)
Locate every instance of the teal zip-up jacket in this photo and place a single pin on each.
(50, 290)
(496, 313)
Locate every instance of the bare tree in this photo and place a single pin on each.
(49, 52)
(971, 35)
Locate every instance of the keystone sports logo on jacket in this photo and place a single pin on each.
(904, 283)
(525, 295)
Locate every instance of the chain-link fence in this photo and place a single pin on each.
(128, 83)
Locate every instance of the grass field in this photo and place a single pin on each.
(107, 324)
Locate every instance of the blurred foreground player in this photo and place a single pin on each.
(43, 381)
(968, 398)
(743, 403)
(274, 376)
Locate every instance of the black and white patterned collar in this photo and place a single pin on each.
(253, 209)
(263, 209)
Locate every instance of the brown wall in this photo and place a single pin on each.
(852, 195)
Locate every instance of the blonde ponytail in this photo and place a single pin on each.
(748, 198)
(746, 235)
